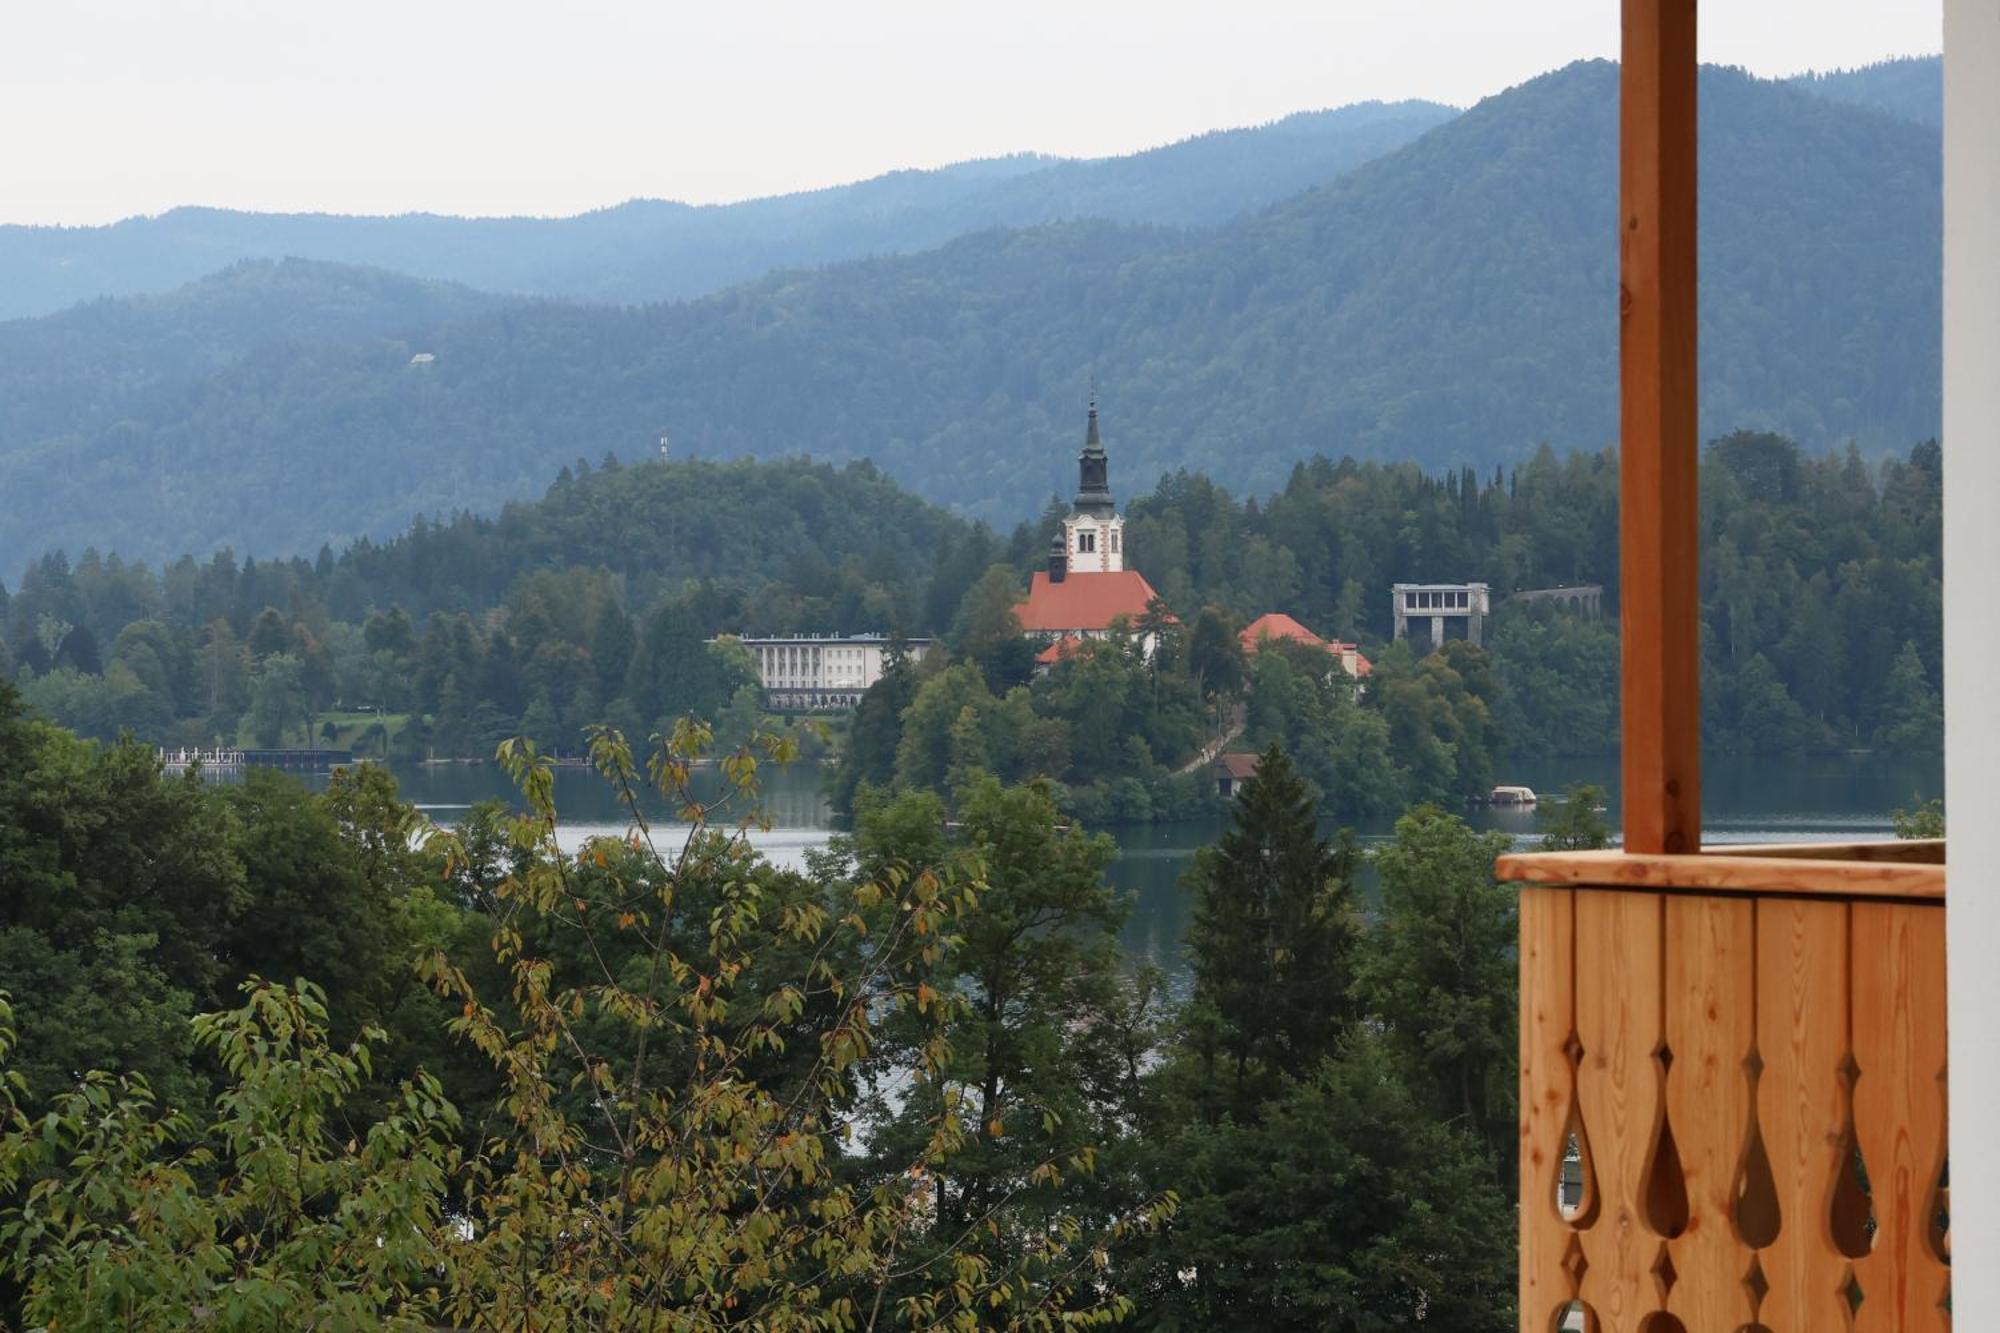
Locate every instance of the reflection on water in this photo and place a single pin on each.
(1824, 798)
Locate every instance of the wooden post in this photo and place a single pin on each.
(1658, 521)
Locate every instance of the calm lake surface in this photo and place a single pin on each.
(1804, 799)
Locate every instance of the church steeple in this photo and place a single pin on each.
(1093, 535)
(1093, 489)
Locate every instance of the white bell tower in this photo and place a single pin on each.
(1094, 534)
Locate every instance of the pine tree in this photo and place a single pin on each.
(870, 754)
(672, 673)
(269, 634)
(612, 644)
(78, 650)
(1272, 939)
(541, 724)
(1912, 716)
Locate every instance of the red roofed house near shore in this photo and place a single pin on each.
(1278, 625)
(1086, 587)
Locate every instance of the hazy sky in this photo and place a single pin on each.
(114, 107)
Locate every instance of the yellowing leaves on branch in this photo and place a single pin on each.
(657, 1154)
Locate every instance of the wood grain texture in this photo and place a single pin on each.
(1802, 1104)
(1898, 961)
(1912, 851)
(1710, 1013)
(1548, 1090)
(1659, 540)
(1618, 1025)
(1722, 873)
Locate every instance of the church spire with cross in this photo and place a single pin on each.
(1087, 592)
(1094, 534)
(1093, 482)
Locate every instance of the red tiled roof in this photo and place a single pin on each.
(1277, 625)
(1062, 648)
(1083, 601)
(1238, 766)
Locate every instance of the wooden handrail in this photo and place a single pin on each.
(1760, 871)
(1916, 851)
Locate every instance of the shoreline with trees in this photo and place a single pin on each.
(954, 1093)
(1821, 604)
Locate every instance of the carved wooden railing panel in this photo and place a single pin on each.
(1618, 1095)
(1802, 1103)
(1749, 1086)
(1899, 1110)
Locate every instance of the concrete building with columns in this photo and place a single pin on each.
(817, 673)
(1440, 604)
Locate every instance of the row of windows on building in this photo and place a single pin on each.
(1448, 600)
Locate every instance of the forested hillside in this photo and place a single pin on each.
(1821, 604)
(1821, 616)
(1450, 304)
(1911, 88)
(652, 249)
(83, 372)
(1821, 578)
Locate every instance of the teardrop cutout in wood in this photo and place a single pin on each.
(1665, 1195)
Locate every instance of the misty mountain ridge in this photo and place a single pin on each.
(650, 250)
(1450, 303)
(1909, 88)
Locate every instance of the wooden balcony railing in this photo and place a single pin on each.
(1732, 1065)
(1741, 1058)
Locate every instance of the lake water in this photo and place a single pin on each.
(1800, 799)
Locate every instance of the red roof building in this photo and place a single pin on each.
(1231, 771)
(1083, 603)
(1278, 625)
(1086, 587)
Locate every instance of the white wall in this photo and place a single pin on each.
(1972, 642)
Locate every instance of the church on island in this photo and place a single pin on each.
(1086, 588)
(1086, 592)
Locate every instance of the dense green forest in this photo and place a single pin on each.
(269, 1051)
(1450, 303)
(90, 368)
(913, 1086)
(591, 605)
(1821, 602)
(651, 249)
(1911, 88)
(1821, 605)
(1821, 631)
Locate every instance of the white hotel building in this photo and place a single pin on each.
(824, 673)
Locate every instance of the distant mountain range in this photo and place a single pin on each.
(1451, 301)
(1911, 88)
(651, 250)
